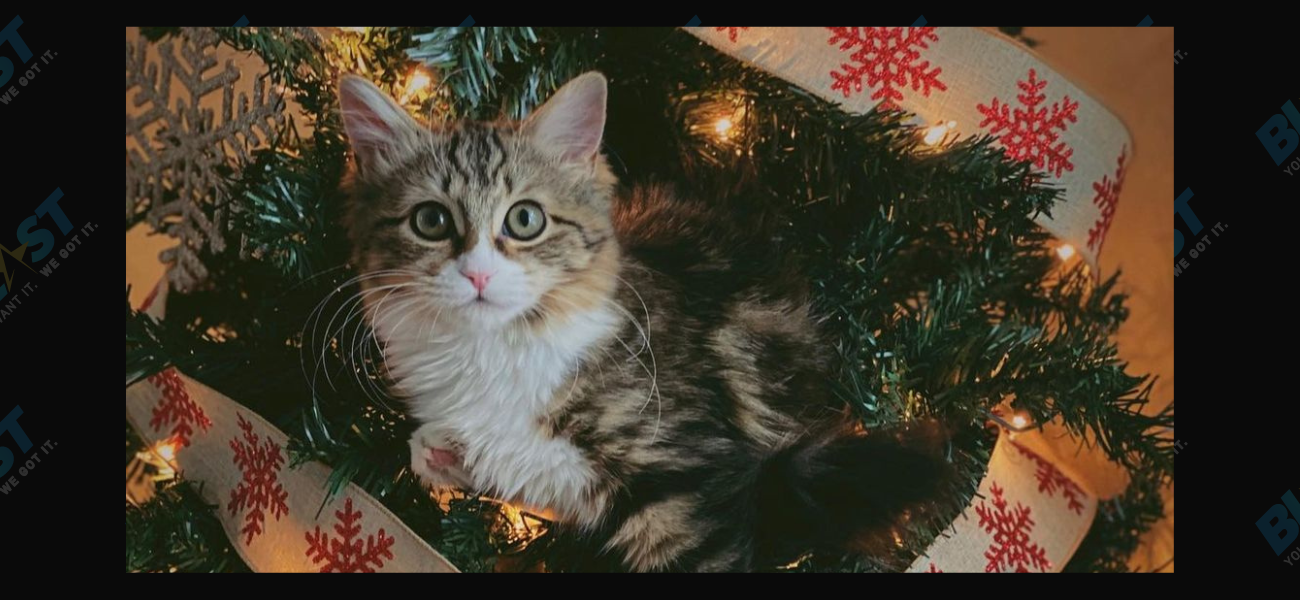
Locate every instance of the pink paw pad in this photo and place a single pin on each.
(438, 458)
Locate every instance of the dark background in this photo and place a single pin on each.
(54, 354)
(1235, 321)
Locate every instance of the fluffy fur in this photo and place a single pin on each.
(645, 368)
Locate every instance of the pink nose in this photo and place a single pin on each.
(478, 278)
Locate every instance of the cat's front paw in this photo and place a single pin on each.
(436, 460)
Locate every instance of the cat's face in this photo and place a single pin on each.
(481, 225)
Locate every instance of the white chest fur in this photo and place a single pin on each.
(487, 392)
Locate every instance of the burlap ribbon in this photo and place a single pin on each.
(272, 513)
(977, 81)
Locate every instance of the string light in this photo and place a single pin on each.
(524, 527)
(935, 134)
(161, 456)
(1018, 422)
(728, 126)
(721, 119)
(418, 81)
(167, 451)
(515, 517)
(157, 459)
(1065, 251)
(722, 127)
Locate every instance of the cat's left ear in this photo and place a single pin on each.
(571, 122)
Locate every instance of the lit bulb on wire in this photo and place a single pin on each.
(1065, 251)
(935, 134)
(1018, 424)
(720, 120)
(418, 81)
(160, 455)
(516, 519)
(524, 526)
(722, 127)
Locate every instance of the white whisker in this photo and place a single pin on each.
(316, 316)
(358, 297)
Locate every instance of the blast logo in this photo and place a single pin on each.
(1280, 530)
(1183, 209)
(1279, 140)
(1197, 247)
(42, 238)
(9, 35)
(10, 425)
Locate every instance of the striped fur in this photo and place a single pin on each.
(646, 369)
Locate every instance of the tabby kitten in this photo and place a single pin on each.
(632, 362)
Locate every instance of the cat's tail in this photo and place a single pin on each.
(846, 490)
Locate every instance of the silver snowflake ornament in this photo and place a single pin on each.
(180, 156)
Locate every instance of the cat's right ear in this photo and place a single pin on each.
(570, 124)
(377, 127)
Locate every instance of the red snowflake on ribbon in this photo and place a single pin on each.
(345, 554)
(176, 408)
(1011, 546)
(1050, 478)
(885, 56)
(1106, 199)
(260, 461)
(732, 31)
(1029, 133)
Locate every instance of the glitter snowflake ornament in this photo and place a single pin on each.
(1031, 133)
(176, 408)
(887, 57)
(1107, 199)
(180, 155)
(345, 554)
(1011, 548)
(259, 461)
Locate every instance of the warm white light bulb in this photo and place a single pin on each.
(1065, 251)
(419, 80)
(162, 450)
(1019, 421)
(723, 126)
(935, 134)
(518, 522)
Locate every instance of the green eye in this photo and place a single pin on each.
(432, 221)
(525, 220)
